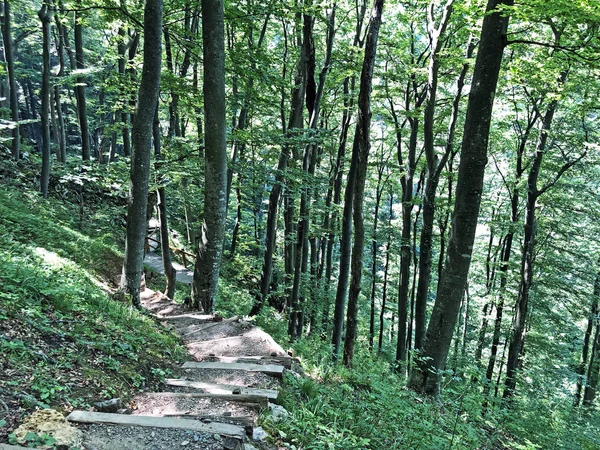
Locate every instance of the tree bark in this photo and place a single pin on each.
(80, 88)
(592, 319)
(426, 377)
(140, 162)
(361, 147)
(45, 14)
(12, 84)
(170, 272)
(295, 122)
(210, 248)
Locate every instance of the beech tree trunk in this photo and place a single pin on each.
(80, 88)
(12, 84)
(140, 162)
(210, 248)
(360, 151)
(527, 260)
(170, 272)
(426, 377)
(45, 15)
(295, 122)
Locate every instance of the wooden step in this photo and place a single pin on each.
(202, 318)
(269, 369)
(223, 389)
(224, 429)
(285, 361)
(258, 400)
(245, 421)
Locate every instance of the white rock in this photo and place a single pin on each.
(258, 434)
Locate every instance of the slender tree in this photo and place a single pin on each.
(12, 83)
(45, 14)
(209, 250)
(426, 377)
(141, 139)
(360, 151)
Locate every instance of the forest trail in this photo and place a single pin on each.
(154, 261)
(234, 372)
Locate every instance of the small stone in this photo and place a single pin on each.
(259, 434)
(217, 437)
(153, 434)
(184, 443)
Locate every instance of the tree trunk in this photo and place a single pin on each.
(435, 348)
(533, 193)
(210, 248)
(385, 275)
(140, 162)
(295, 122)
(80, 88)
(361, 147)
(592, 319)
(170, 272)
(12, 84)
(45, 15)
(593, 372)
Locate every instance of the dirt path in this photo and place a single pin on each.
(233, 374)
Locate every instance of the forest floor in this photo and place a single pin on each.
(69, 341)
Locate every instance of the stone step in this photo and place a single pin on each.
(223, 429)
(223, 389)
(269, 369)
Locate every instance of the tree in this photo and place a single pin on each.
(360, 152)
(45, 15)
(12, 84)
(209, 251)
(140, 161)
(426, 376)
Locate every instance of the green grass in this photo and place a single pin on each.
(64, 340)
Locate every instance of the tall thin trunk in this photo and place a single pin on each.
(361, 149)
(45, 15)
(593, 373)
(592, 319)
(210, 248)
(170, 272)
(295, 122)
(80, 87)
(12, 84)
(468, 198)
(388, 253)
(140, 162)
(527, 259)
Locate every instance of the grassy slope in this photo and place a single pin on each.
(63, 340)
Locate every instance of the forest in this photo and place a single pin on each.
(403, 192)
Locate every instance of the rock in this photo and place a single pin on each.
(217, 437)
(278, 413)
(259, 434)
(52, 423)
(184, 443)
(108, 406)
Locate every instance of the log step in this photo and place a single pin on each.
(202, 318)
(224, 429)
(259, 400)
(285, 361)
(269, 369)
(223, 389)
